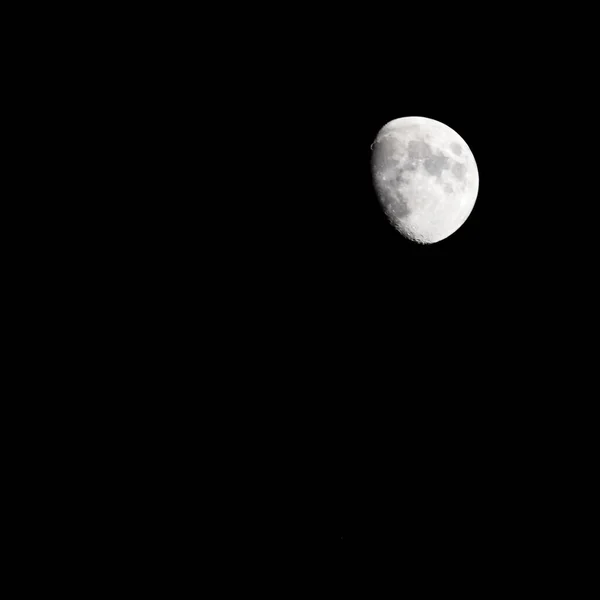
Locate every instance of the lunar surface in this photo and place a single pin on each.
(425, 177)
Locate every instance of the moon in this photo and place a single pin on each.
(425, 177)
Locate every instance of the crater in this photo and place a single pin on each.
(383, 151)
(419, 149)
(456, 148)
(399, 208)
(398, 177)
(459, 170)
(435, 164)
(394, 203)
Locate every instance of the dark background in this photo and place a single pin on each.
(419, 378)
(390, 392)
(292, 357)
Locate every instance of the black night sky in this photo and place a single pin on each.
(449, 343)
(390, 374)
(361, 333)
(285, 367)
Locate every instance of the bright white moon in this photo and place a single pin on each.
(425, 176)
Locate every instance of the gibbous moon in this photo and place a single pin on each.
(425, 177)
